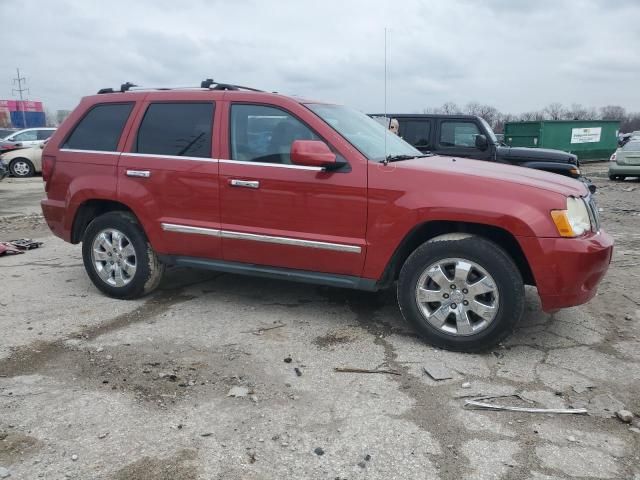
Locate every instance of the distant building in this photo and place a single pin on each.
(21, 114)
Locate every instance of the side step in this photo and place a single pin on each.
(292, 275)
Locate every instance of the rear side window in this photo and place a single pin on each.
(416, 132)
(44, 134)
(100, 128)
(176, 129)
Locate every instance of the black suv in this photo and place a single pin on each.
(471, 137)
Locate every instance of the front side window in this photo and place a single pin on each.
(458, 134)
(176, 129)
(100, 128)
(265, 134)
(27, 136)
(367, 135)
(44, 134)
(416, 132)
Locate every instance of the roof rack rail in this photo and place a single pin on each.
(213, 85)
(208, 84)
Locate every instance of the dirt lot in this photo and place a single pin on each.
(97, 388)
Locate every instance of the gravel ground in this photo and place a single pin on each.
(199, 380)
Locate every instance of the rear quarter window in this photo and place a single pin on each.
(100, 128)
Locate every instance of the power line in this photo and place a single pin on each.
(20, 81)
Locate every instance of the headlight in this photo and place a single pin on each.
(574, 221)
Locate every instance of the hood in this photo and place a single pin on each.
(497, 172)
(544, 154)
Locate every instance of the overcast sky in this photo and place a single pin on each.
(516, 55)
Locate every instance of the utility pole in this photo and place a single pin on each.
(20, 81)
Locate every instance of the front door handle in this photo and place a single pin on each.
(139, 173)
(244, 183)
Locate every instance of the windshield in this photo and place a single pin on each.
(364, 133)
(492, 135)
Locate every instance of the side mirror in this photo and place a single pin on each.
(312, 153)
(481, 142)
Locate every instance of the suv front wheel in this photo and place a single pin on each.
(461, 292)
(118, 257)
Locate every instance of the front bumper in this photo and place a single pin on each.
(567, 271)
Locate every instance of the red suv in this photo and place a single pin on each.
(248, 182)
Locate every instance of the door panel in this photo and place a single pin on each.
(294, 217)
(456, 138)
(177, 194)
(327, 211)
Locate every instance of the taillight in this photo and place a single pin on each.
(48, 164)
(613, 157)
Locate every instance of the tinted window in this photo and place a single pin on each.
(632, 147)
(458, 134)
(100, 128)
(265, 134)
(44, 134)
(27, 136)
(177, 129)
(416, 132)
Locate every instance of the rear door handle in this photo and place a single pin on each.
(139, 173)
(244, 183)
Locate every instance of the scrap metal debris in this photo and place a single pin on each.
(478, 404)
(18, 246)
(260, 331)
(364, 370)
(437, 371)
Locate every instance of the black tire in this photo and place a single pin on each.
(25, 163)
(149, 269)
(486, 254)
(612, 177)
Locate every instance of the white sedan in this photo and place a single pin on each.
(24, 162)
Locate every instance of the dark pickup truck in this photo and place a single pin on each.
(471, 137)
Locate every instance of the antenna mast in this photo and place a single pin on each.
(386, 120)
(20, 81)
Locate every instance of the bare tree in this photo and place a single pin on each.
(489, 113)
(534, 116)
(555, 111)
(579, 112)
(50, 118)
(450, 108)
(613, 112)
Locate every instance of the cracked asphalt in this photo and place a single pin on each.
(97, 388)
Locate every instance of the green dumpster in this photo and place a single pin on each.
(588, 139)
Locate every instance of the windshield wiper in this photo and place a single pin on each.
(397, 158)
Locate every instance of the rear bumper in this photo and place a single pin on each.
(631, 170)
(568, 270)
(54, 214)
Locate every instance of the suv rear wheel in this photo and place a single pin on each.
(118, 257)
(461, 292)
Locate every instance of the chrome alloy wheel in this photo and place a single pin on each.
(21, 168)
(457, 296)
(114, 257)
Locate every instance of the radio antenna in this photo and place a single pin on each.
(386, 120)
